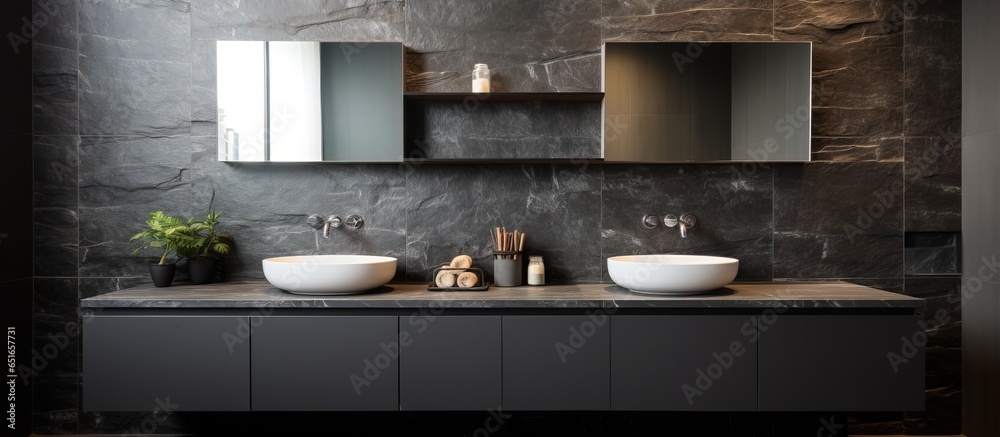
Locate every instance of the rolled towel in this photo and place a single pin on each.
(468, 280)
(462, 261)
(445, 279)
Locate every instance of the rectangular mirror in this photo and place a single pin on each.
(307, 101)
(707, 102)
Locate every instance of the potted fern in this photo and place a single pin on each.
(169, 235)
(207, 246)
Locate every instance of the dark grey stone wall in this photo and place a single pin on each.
(124, 123)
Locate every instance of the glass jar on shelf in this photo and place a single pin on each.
(536, 270)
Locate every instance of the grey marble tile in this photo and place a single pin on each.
(450, 210)
(943, 313)
(57, 22)
(56, 247)
(90, 287)
(204, 103)
(147, 30)
(326, 20)
(943, 318)
(838, 220)
(855, 93)
(801, 255)
(857, 149)
(529, 46)
(943, 404)
(933, 184)
(134, 97)
(55, 205)
(732, 203)
(932, 252)
(55, 171)
(482, 129)
(57, 340)
(701, 20)
(265, 207)
(839, 198)
(933, 62)
(55, 109)
(122, 180)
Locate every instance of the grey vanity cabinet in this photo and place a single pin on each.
(557, 362)
(450, 363)
(841, 363)
(325, 363)
(180, 363)
(683, 363)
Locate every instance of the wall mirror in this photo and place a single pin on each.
(705, 102)
(304, 101)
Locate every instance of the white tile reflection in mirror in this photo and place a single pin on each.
(242, 97)
(295, 109)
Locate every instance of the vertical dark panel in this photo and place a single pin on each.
(16, 221)
(451, 363)
(841, 363)
(184, 363)
(556, 362)
(683, 363)
(15, 133)
(341, 363)
(980, 212)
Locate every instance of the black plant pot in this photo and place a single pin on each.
(163, 274)
(201, 270)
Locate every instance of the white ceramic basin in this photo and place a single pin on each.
(672, 274)
(329, 274)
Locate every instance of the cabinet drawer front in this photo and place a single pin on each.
(556, 362)
(450, 363)
(683, 363)
(186, 363)
(841, 363)
(325, 363)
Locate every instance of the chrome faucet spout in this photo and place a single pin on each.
(332, 221)
(686, 221)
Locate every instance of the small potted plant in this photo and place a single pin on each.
(206, 247)
(168, 234)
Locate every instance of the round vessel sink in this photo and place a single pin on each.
(329, 274)
(672, 274)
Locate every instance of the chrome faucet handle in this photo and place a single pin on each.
(687, 222)
(650, 221)
(315, 221)
(355, 221)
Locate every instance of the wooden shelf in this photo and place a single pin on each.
(506, 97)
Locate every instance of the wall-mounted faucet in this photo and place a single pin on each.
(353, 221)
(686, 221)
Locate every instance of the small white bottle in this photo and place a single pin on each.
(536, 271)
(481, 79)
